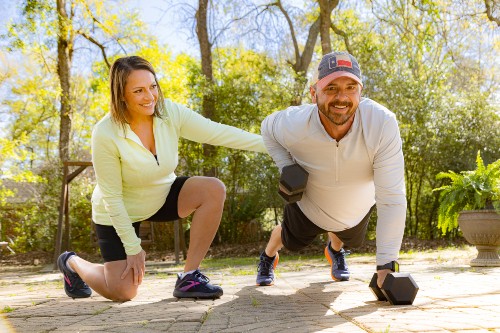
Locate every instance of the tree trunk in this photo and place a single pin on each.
(301, 63)
(64, 46)
(208, 102)
(325, 11)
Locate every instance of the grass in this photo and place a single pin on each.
(99, 311)
(242, 266)
(7, 309)
(290, 262)
(206, 315)
(255, 301)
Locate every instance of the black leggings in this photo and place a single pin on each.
(110, 243)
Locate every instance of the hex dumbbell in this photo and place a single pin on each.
(294, 180)
(398, 288)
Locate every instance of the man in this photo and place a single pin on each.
(351, 148)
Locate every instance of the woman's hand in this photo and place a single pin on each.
(136, 263)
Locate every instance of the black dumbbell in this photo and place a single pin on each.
(398, 288)
(294, 180)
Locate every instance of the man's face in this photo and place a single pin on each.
(338, 100)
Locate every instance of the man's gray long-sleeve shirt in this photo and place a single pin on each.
(348, 176)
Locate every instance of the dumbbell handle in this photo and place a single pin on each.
(375, 288)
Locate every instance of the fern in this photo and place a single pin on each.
(468, 190)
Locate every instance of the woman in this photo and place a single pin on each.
(135, 153)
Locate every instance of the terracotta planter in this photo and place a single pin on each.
(482, 229)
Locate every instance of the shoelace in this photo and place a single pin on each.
(78, 283)
(264, 267)
(340, 259)
(200, 276)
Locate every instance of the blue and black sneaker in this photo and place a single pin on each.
(195, 285)
(73, 283)
(265, 270)
(339, 269)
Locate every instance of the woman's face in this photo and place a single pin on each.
(141, 94)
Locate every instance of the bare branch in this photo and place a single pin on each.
(105, 29)
(489, 11)
(99, 45)
(343, 34)
(292, 31)
(229, 23)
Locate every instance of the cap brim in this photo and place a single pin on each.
(335, 75)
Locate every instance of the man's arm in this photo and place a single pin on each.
(274, 141)
(390, 193)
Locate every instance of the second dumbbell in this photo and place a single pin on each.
(293, 183)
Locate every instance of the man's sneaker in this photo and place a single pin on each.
(339, 269)
(265, 270)
(195, 285)
(73, 283)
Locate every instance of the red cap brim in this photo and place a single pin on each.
(335, 75)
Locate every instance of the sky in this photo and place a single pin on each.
(165, 23)
(159, 15)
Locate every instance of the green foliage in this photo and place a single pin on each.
(248, 86)
(468, 190)
(437, 73)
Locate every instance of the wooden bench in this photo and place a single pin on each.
(5, 245)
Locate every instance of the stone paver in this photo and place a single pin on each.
(453, 297)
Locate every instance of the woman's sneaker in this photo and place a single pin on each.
(73, 283)
(195, 285)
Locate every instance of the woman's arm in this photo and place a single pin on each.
(107, 166)
(195, 127)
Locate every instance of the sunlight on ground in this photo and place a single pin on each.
(4, 325)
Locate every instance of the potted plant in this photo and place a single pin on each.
(472, 201)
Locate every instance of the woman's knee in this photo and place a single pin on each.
(124, 293)
(216, 189)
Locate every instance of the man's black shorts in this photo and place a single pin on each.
(297, 231)
(110, 243)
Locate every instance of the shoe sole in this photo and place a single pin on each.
(327, 255)
(76, 296)
(187, 294)
(263, 284)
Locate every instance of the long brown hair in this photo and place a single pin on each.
(121, 69)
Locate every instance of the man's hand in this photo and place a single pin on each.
(381, 274)
(137, 263)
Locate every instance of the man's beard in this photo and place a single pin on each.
(335, 118)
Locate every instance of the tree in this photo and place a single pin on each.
(54, 31)
(208, 104)
(415, 78)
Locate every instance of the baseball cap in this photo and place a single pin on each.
(337, 64)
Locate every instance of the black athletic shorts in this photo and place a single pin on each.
(110, 243)
(297, 231)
